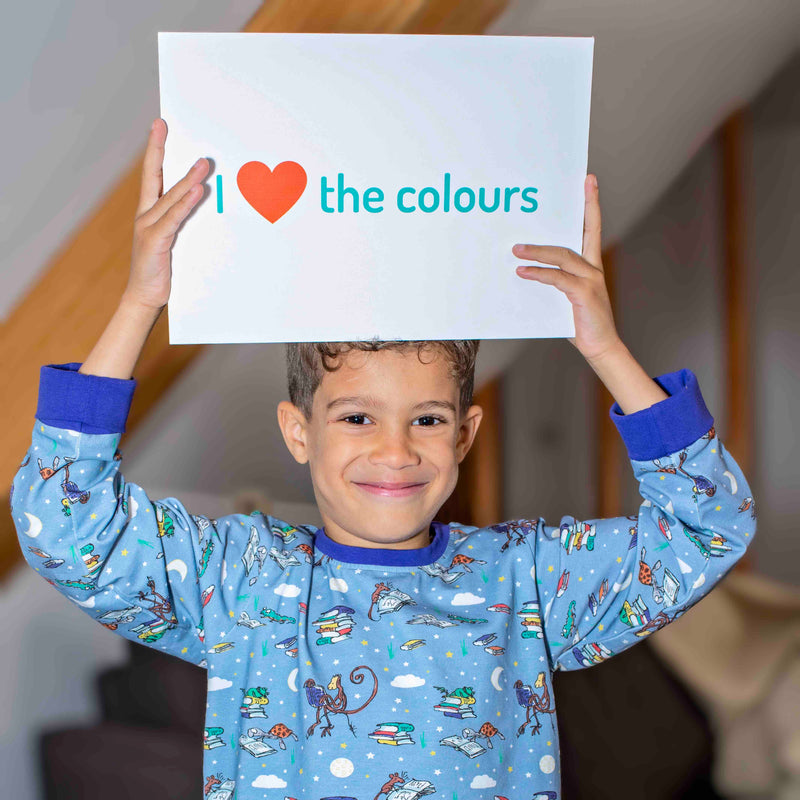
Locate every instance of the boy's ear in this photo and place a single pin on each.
(468, 427)
(293, 425)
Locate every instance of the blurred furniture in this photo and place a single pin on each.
(149, 743)
(738, 651)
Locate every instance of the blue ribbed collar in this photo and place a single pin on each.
(386, 557)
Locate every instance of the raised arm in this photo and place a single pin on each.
(158, 218)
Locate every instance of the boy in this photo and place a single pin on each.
(385, 654)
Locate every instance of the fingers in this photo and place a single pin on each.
(567, 283)
(152, 179)
(153, 204)
(169, 222)
(563, 257)
(592, 247)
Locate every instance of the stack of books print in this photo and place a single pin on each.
(453, 706)
(393, 733)
(335, 624)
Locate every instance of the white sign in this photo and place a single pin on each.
(372, 185)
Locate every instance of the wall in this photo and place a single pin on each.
(670, 314)
(775, 290)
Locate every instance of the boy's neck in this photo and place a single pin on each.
(421, 539)
(386, 554)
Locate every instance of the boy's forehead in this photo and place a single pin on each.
(389, 374)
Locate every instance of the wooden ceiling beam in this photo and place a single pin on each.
(63, 314)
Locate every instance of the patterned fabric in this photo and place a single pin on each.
(339, 673)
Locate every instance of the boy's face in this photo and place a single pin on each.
(383, 444)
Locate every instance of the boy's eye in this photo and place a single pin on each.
(353, 417)
(427, 421)
(431, 421)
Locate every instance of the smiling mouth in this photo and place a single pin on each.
(391, 489)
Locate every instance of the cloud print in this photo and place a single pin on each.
(287, 590)
(338, 584)
(407, 681)
(217, 683)
(271, 782)
(482, 782)
(467, 599)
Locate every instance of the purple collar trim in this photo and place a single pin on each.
(386, 557)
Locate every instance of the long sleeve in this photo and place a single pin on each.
(148, 570)
(604, 584)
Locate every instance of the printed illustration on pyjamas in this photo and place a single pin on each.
(348, 672)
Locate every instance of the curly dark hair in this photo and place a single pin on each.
(305, 362)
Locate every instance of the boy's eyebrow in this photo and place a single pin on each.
(371, 401)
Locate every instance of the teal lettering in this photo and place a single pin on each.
(525, 193)
(403, 208)
(324, 199)
(342, 191)
(468, 191)
(369, 200)
(429, 190)
(509, 192)
(482, 200)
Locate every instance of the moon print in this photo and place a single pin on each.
(179, 567)
(342, 767)
(618, 587)
(701, 579)
(292, 680)
(732, 478)
(495, 679)
(35, 527)
(547, 764)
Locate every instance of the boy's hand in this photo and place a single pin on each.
(581, 279)
(157, 220)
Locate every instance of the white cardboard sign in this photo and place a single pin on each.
(372, 185)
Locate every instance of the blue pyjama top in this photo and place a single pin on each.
(349, 672)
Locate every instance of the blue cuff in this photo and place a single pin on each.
(86, 403)
(669, 425)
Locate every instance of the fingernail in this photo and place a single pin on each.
(197, 163)
(593, 181)
(518, 248)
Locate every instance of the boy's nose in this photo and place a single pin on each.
(394, 450)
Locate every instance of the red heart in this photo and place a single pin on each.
(271, 192)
